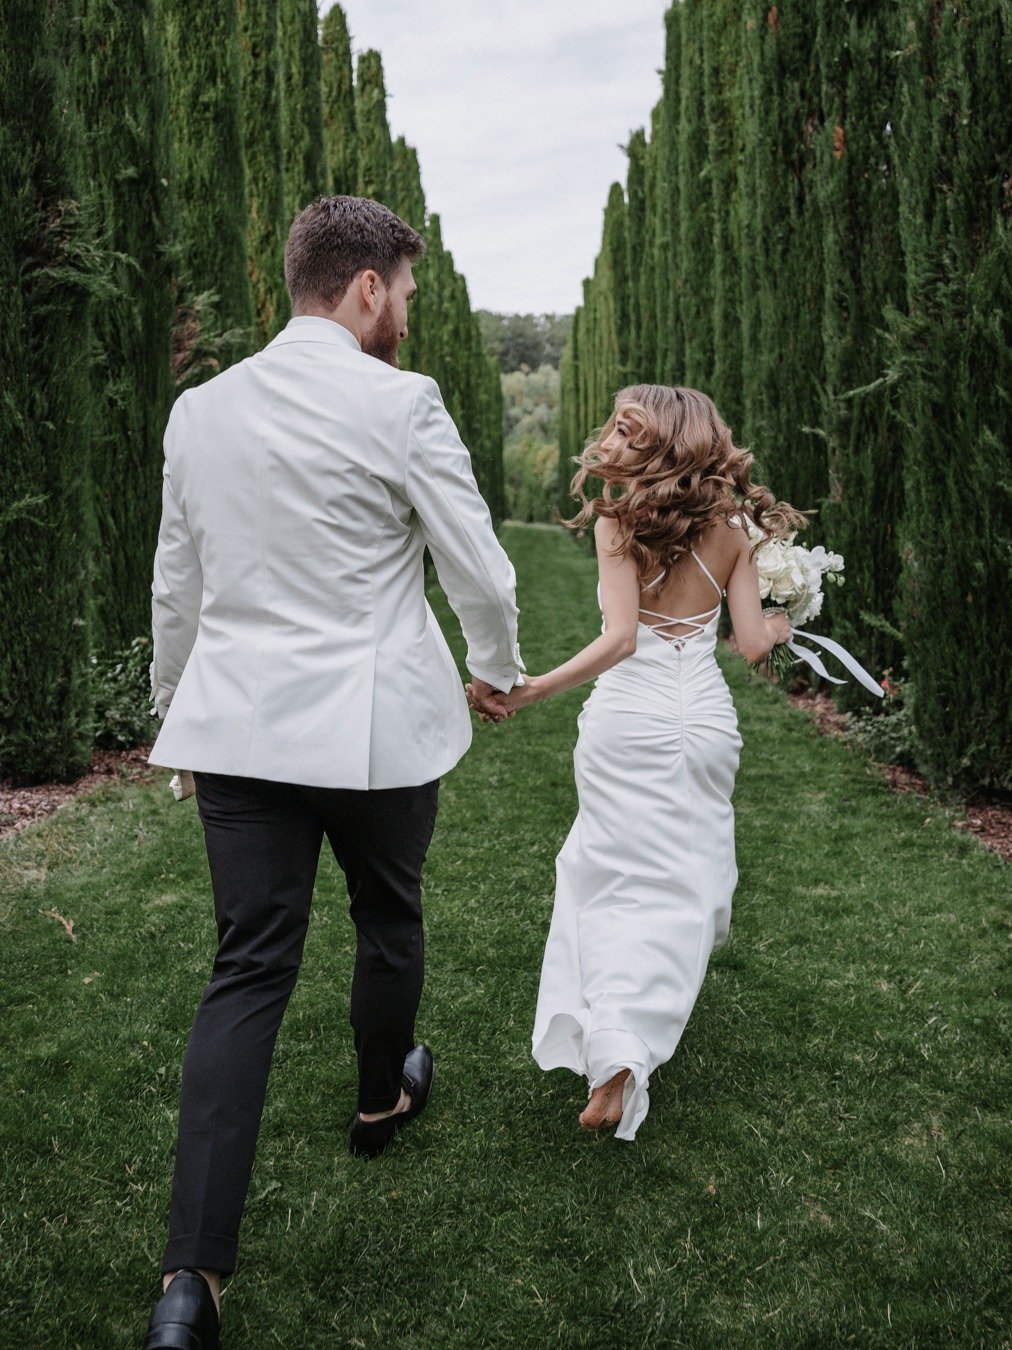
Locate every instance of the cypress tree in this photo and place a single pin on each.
(646, 270)
(785, 365)
(261, 106)
(862, 270)
(585, 347)
(205, 111)
(305, 174)
(123, 106)
(695, 218)
(492, 433)
(340, 138)
(569, 425)
(375, 150)
(636, 235)
(670, 354)
(722, 34)
(952, 355)
(408, 190)
(612, 302)
(48, 270)
(754, 160)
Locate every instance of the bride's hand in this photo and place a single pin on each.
(779, 628)
(523, 695)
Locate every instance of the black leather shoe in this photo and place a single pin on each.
(185, 1317)
(368, 1138)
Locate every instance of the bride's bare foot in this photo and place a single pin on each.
(605, 1105)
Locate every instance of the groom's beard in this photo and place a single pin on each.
(384, 339)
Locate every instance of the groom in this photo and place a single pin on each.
(303, 678)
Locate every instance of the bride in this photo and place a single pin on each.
(645, 877)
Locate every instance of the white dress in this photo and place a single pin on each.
(645, 878)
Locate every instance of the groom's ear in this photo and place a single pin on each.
(370, 285)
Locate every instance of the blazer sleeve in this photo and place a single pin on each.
(471, 564)
(176, 591)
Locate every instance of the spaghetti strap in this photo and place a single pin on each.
(707, 573)
(691, 621)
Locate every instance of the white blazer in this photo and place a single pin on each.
(292, 637)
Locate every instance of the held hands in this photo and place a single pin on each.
(492, 705)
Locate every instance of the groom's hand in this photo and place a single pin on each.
(488, 701)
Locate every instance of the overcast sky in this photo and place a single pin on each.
(518, 110)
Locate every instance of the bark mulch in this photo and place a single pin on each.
(986, 817)
(23, 806)
(990, 820)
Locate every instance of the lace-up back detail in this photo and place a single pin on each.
(692, 621)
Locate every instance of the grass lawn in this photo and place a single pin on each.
(822, 1161)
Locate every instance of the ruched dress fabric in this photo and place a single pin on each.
(645, 877)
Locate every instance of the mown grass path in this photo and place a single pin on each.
(822, 1160)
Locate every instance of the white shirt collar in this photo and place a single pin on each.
(315, 328)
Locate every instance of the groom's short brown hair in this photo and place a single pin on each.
(335, 238)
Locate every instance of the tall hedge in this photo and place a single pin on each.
(201, 46)
(49, 270)
(825, 207)
(952, 355)
(695, 219)
(670, 352)
(131, 253)
(375, 148)
(723, 34)
(647, 264)
(415, 352)
(636, 239)
(122, 96)
(340, 139)
(612, 304)
(301, 105)
(862, 278)
(782, 365)
(267, 228)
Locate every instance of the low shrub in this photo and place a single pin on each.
(121, 688)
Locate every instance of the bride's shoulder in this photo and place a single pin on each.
(606, 531)
(726, 534)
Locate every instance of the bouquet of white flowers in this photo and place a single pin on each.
(790, 582)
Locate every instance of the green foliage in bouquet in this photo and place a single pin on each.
(121, 689)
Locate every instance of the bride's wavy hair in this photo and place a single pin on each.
(680, 473)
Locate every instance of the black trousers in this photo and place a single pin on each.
(263, 845)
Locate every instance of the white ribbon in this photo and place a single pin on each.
(182, 785)
(842, 655)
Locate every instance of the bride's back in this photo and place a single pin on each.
(685, 590)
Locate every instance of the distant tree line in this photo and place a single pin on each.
(154, 155)
(531, 340)
(816, 232)
(531, 442)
